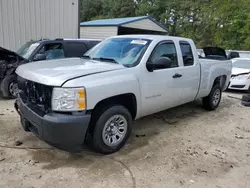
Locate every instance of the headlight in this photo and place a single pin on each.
(242, 77)
(68, 99)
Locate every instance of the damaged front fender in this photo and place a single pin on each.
(9, 61)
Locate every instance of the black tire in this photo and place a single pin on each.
(246, 98)
(5, 86)
(97, 137)
(209, 101)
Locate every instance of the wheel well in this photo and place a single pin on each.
(127, 100)
(221, 80)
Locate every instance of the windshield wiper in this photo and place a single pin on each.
(106, 59)
(86, 57)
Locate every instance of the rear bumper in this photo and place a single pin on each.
(65, 132)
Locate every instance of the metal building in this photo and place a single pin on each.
(24, 20)
(100, 29)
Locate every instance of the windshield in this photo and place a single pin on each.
(244, 64)
(26, 50)
(125, 51)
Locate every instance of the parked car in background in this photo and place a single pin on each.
(233, 54)
(37, 51)
(240, 79)
(64, 102)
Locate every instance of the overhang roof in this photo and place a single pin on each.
(120, 22)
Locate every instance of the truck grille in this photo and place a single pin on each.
(38, 95)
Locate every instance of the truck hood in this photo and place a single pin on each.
(236, 71)
(57, 72)
(4, 53)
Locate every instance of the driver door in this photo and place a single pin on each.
(160, 89)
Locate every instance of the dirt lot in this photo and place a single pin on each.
(182, 147)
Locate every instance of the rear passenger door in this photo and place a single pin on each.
(75, 49)
(190, 71)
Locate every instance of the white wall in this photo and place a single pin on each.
(89, 32)
(23, 20)
(146, 24)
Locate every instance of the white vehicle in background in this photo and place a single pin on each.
(240, 79)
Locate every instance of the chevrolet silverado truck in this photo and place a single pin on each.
(95, 98)
(37, 51)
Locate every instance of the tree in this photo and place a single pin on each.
(102, 9)
(232, 28)
(119, 8)
(208, 22)
(90, 9)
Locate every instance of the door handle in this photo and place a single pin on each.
(177, 75)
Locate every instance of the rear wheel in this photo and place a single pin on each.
(112, 129)
(212, 101)
(8, 87)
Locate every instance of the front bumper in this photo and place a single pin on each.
(243, 85)
(63, 131)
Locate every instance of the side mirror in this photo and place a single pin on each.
(189, 60)
(159, 63)
(39, 57)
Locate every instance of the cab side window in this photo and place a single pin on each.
(187, 54)
(166, 50)
(75, 49)
(52, 51)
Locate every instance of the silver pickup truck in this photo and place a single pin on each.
(95, 98)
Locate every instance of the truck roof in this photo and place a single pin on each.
(153, 37)
(63, 39)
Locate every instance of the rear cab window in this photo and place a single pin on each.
(187, 53)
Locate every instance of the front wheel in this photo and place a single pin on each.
(112, 129)
(212, 101)
(8, 87)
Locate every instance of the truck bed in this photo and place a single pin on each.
(210, 69)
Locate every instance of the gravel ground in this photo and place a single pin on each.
(182, 147)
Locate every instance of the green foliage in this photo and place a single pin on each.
(233, 28)
(119, 8)
(208, 22)
(90, 9)
(103, 9)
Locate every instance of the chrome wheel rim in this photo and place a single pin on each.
(13, 89)
(216, 97)
(114, 130)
